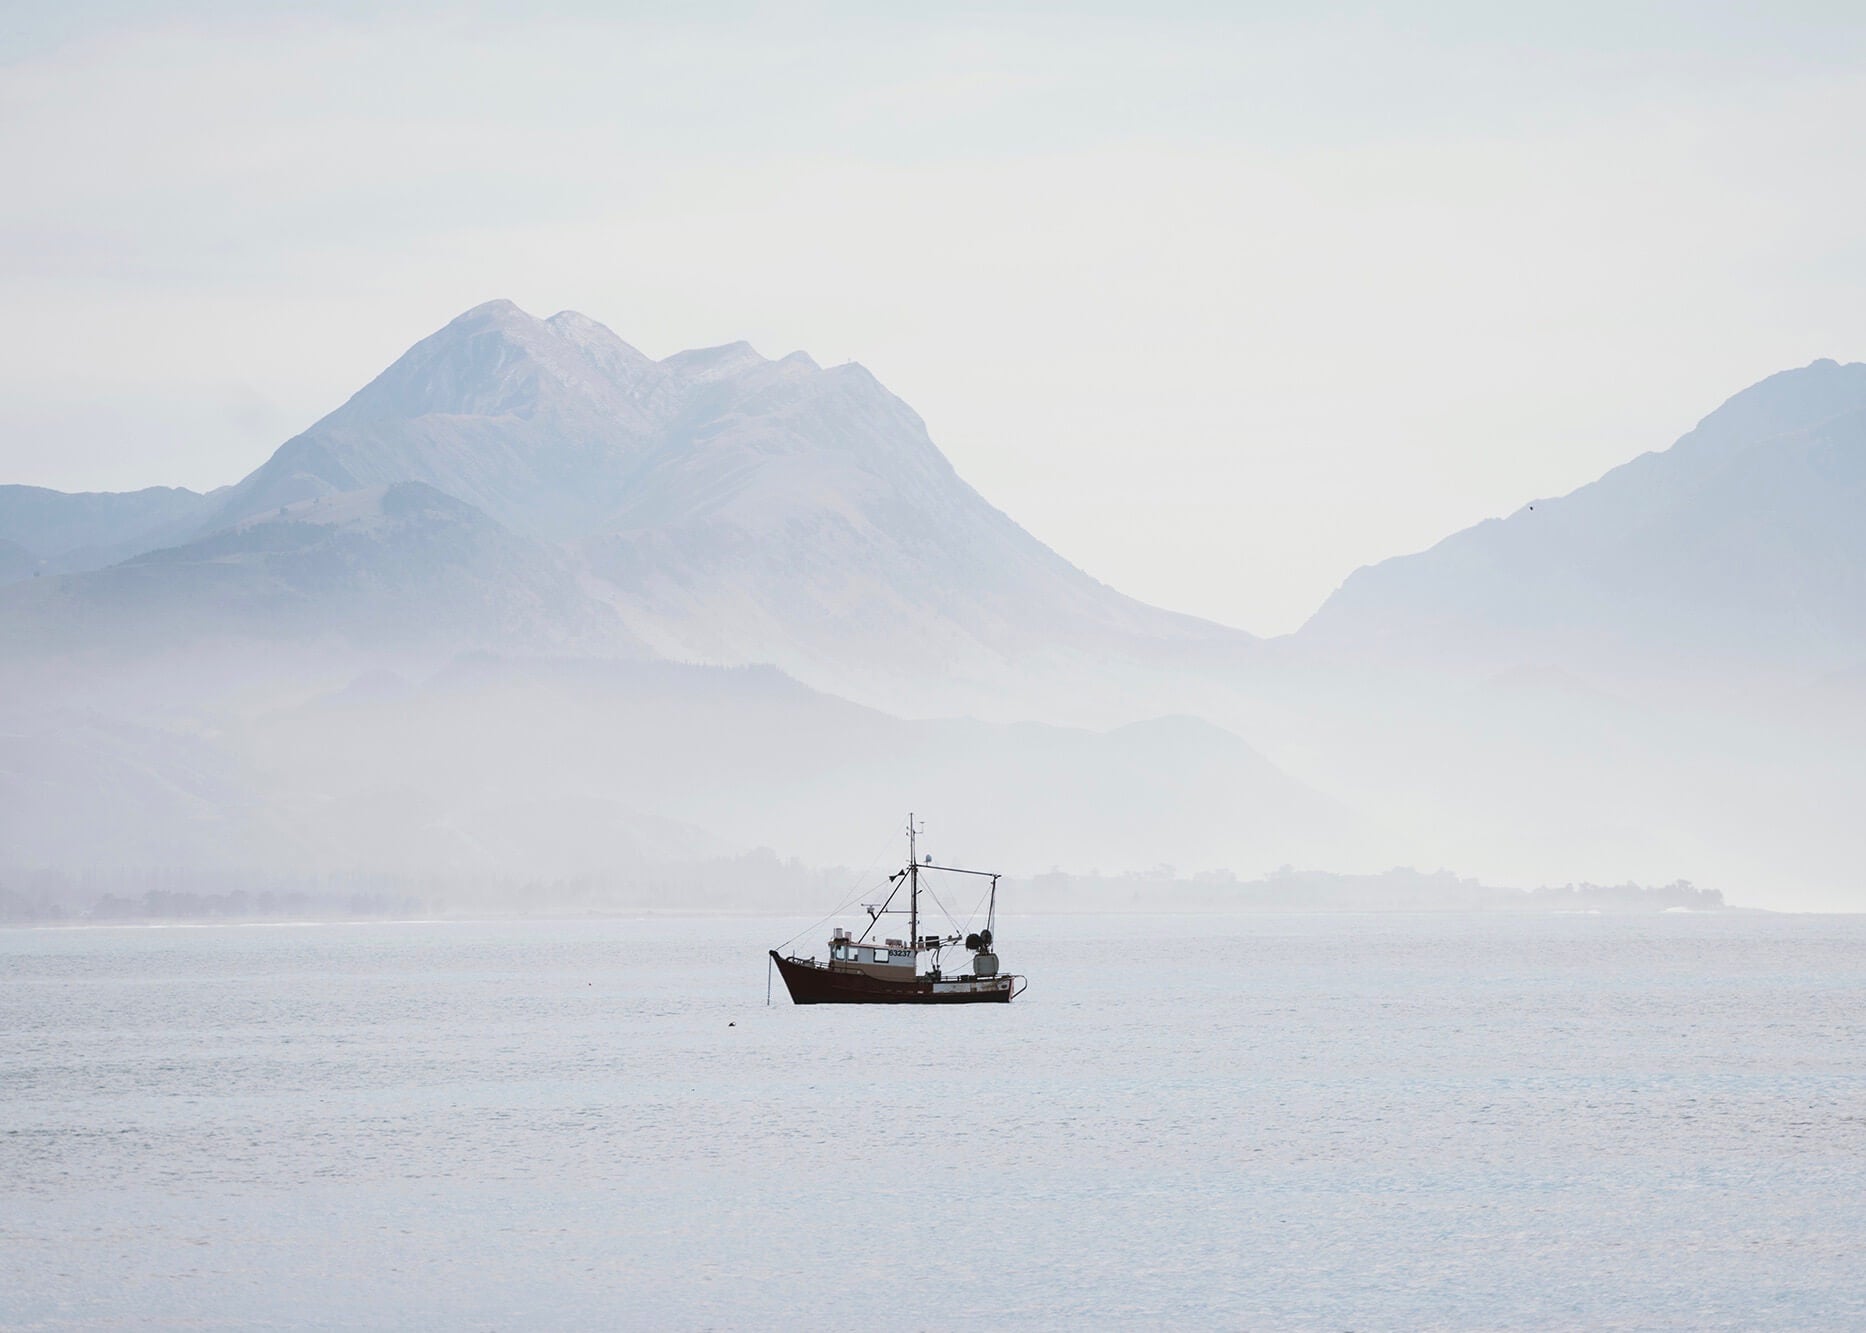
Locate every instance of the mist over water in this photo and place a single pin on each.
(1268, 1121)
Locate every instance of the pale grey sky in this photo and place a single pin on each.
(1220, 301)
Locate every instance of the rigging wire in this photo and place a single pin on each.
(961, 929)
(948, 911)
(862, 887)
(929, 891)
(980, 906)
(956, 923)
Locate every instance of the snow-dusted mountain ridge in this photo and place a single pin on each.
(536, 422)
(548, 424)
(734, 508)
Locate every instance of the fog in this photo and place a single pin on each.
(535, 622)
(332, 560)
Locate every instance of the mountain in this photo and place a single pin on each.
(16, 562)
(88, 530)
(540, 423)
(539, 491)
(538, 768)
(757, 759)
(738, 509)
(81, 789)
(1741, 547)
(1645, 678)
(395, 567)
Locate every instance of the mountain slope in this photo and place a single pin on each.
(16, 562)
(1625, 681)
(811, 522)
(738, 509)
(537, 422)
(91, 529)
(757, 759)
(1742, 545)
(536, 769)
(401, 566)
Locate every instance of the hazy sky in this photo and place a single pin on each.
(1220, 301)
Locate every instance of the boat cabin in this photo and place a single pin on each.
(883, 958)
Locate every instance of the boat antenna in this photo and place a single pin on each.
(913, 892)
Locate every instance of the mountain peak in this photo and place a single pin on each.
(499, 311)
(496, 360)
(589, 334)
(1788, 401)
(570, 321)
(712, 363)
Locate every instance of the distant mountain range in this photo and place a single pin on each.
(59, 533)
(401, 565)
(536, 493)
(563, 767)
(539, 493)
(1656, 675)
(1743, 546)
(726, 507)
(732, 509)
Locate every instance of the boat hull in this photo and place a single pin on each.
(811, 983)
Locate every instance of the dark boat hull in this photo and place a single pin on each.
(809, 983)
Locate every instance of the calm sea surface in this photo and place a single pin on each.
(1332, 1122)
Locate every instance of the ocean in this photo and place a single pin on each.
(1330, 1122)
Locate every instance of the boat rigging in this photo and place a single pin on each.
(861, 970)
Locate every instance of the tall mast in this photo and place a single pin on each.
(913, 892)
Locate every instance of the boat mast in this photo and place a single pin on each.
(913, 892)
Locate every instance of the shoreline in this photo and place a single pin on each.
(654, 914)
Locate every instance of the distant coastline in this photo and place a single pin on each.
(762, 884)
(1401, 889)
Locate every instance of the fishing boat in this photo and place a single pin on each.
(861, 969)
